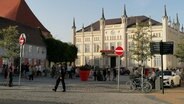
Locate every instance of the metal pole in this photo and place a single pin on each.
(118, 72)
(161, 52)
(20, 63)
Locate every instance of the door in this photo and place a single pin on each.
(113, 62)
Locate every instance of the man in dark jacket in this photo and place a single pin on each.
(60, 78)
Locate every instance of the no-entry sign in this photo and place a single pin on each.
(22, 39)
(119, 51)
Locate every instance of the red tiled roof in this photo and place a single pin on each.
(19, 11)
(33, 35)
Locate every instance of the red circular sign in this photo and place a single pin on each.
(21, 40)
(119, 51)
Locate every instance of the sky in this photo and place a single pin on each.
(57, 15)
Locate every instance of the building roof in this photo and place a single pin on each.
(130, 20)
(18, 10)
(33, 35)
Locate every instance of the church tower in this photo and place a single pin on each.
(102, 29)
(177, 23)
(164, 34)
(165, 24)
(124, 35)
(74, 31)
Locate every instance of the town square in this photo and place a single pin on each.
(91, 52)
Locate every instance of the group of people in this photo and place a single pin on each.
(70, 70)
(29, 71)
(105, 74)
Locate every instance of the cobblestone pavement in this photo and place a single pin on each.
(90, 92)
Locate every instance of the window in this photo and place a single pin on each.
(96, 61)
(112, 45)
(96, 47)
(106, 46)
(77, 62)
(87, 60)
(78, 47)
(87, 48)
(157, 61)
(30, 49)
(87, 39)
(38, 50)
(119, 44)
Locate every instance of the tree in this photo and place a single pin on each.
(9, 40)
(180, 51)
(58, 51)
(140, 50)
(72, 53)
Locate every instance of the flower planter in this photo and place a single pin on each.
(84, 74)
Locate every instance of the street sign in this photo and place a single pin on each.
(119, 51)
(22, 39)
(155, 47)
(161, 47)
(167, 48)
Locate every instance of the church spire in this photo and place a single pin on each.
(73, 23)
(177, 20)
(165, 11)
(124, 13)
(103, 17)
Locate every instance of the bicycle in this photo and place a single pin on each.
(136, 84)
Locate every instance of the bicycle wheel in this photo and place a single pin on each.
(147, 87)
(129, 85)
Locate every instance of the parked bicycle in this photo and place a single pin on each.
(138, 84)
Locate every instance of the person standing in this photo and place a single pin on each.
(10, 70)
(60, 78)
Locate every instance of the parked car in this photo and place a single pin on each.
(170, 79)
(124, 71)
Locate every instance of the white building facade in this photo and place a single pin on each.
(106, 35)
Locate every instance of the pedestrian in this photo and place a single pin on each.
(10, 70)
(31, 72)
(109, 73)
(69, 70)
(53, 72)
(104, 74)
(114, 74)
(5, 68)
(95, 75)
(60, 78)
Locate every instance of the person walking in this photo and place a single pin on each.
(60, 78)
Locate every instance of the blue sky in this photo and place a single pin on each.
(57, 15)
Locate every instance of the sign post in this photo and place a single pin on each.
(22, 40)
(119, 52)
(162, 48)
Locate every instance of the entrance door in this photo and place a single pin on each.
(113, 62)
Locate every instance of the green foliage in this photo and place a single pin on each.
(86, 67)
(58, 51)
(140, 50)
(9, 39)
(180, 51)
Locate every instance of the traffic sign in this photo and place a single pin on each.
(22, 39)
(119, 51)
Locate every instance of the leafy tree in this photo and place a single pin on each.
(9, 40)
(180, 51)
(58, 51)
(141, 43)
(72, 53)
